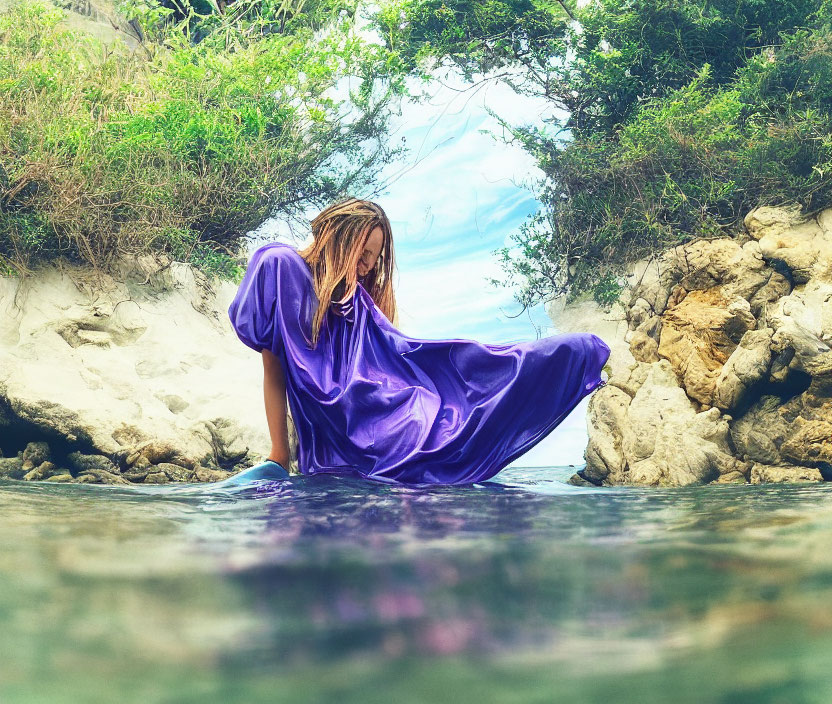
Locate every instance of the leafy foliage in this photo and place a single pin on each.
(476, 37)
(186, 146)
(680, 116)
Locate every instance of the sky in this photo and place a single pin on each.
(458, 197)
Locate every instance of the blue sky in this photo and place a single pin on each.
(460, 197)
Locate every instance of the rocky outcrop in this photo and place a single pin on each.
(652, 433)
(136, 377)
(731, 371)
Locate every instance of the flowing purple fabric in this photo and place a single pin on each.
(373, 402)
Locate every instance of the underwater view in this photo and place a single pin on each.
(322, 588)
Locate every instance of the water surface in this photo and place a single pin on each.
(327, 589)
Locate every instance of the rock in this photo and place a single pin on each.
(174, 472)
(746, 367)
(33, 475)
(204, 474)
(607, 416)
(739, 270)
(652, 327)
(767, 295)
(12, 467)
(36, 453)
(657, 438)
(138, 462)
(41, 416)
(699, 334)
(137, 474)
(82, 463)
(45, 470)
(175, 404)
(809, 441)
(112, 367)
(643, 347)
(129, 436)
(227, 442)
(61, 478)
(156, 452)
(801, 243)
(640, 311)
(797, 431)
(732, 478)
(95, 475)
(779, 370)
(764, 473)
(632, 379)
(771, 221)
(759, 433)
(577, 480)
(741, 378)
(156, 478)
(802, 322)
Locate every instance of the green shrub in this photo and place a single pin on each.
(690, 163)
(181, 148)
(680, 116)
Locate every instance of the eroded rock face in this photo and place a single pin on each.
(657, 437)
(132, 380)
(743, 370)
(732, 379)
(698, 336)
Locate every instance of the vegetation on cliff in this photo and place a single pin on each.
(680, 117)
(220, 118)
(677, 118)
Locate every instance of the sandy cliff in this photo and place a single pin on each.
(136, 379)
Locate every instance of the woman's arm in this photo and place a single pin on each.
(274, 395)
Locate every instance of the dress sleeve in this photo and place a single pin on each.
(254, 310)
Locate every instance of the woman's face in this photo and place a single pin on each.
(372, 251)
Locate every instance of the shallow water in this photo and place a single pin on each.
(326, 589)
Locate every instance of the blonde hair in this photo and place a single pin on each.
(339, 233)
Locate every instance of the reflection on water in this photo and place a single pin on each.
(327, 589)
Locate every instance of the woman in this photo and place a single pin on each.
(368, 400)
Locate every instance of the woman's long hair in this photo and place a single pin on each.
(339, 233)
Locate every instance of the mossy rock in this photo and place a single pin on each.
(11, 467)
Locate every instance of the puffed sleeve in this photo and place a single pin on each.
(254, 310)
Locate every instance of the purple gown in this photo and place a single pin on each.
(373, 402)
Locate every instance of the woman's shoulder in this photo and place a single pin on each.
(279, 252)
